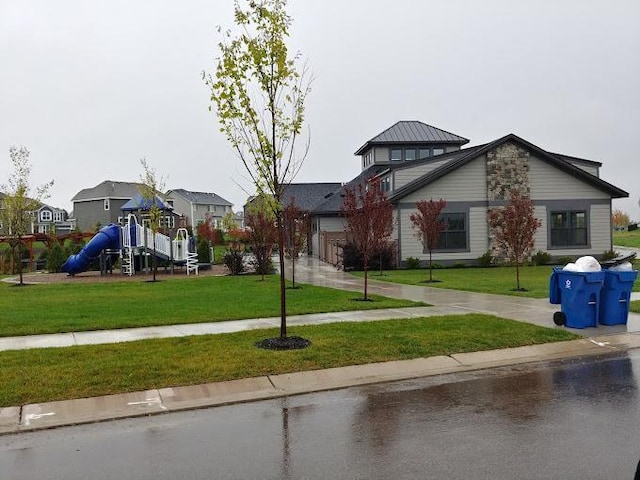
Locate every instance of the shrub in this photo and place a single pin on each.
(234, 261)
(541, 258)
(437, 265)
(55, 258)
(261, 260)
(413, 263)
(608, 255)
(565, 260)
(459, 265)
(486, 259)
(352, 259)
(203, 249)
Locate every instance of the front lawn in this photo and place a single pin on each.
(627, 239)
(41, 375)
(69, 307)
(497, 280)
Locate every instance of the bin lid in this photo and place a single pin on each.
(627, 257)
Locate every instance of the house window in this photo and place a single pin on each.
(396, 154)
(385, 184)
(438, 151)
(569, 228)
(454, 233)
(45, 216)
(424, 153)
(57, 217)
(106, 204)
(409, 154)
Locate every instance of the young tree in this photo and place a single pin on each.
(296, 229)
(619, 219)
(150, 190)
(369, 216)
(426, 221)
(19, 201)
(514, 227)
(259, 91)
(262, 236)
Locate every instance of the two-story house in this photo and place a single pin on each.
(415, 161)
(102, 204)
(199, 207)
(48, 219)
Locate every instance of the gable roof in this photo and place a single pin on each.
(309, 195)
(200, 198)
(412, 132)
(467, 155)
(108, 189)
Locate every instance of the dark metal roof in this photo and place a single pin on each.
(577, 160)
(199, 198)
(412, 132)
(472, 153)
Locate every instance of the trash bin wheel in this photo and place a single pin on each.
(559, 318)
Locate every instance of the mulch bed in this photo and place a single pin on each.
(116, 276)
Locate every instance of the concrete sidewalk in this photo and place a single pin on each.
(136, 404)
(601, 340)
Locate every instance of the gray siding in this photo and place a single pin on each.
(91, 213)
(549, 183)
(406, 175)
(467, 183)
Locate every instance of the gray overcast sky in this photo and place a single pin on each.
(90, 87)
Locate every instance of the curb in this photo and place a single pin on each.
(56, 414)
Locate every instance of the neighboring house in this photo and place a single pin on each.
(101, 205)
(47, 218)
(415, 161)
(199, 207)
(44, 219)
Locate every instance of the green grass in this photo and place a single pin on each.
(67, 307)
(498, 280)
(627, 239)
(40, 375)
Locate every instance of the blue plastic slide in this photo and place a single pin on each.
(107, 237)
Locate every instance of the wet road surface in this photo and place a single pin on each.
(577, 419)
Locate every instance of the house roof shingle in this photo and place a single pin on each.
(108, 189)
(412, 132)
(309, 195)
(200, 198)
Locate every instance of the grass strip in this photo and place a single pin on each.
(69, 307)
(41, 375)
(496, 280)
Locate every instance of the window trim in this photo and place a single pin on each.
(106, 204)
(568, 212)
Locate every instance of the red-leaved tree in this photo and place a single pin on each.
(296, 229)
(428, 226)
(262, 236)
(369, 216)
(514, 227)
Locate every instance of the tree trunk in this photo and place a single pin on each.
(517, 274)
(20, 261)
(430, 268)
(283, 297)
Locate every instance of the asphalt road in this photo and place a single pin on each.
(575, 419)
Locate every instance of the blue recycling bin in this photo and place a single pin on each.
(578, 294)
(615, 296)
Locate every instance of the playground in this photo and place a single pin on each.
(124, 251)
(132, 244)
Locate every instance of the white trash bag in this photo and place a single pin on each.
(584, 264)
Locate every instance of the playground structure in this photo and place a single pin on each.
(134, 241)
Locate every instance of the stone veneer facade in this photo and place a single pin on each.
(507, 169)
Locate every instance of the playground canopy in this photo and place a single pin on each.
(140, 203)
